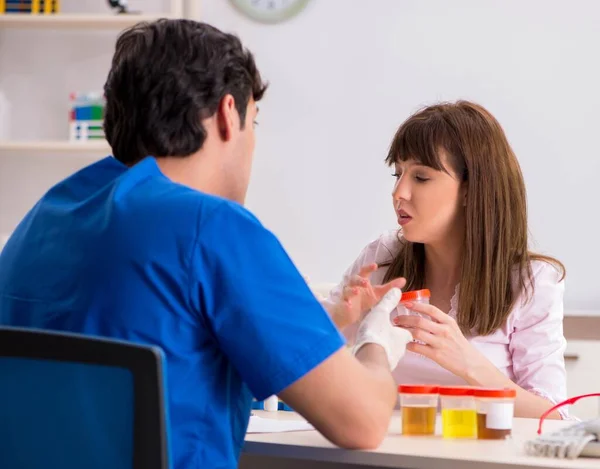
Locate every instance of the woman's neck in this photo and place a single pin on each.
(443, 262)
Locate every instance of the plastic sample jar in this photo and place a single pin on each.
(419, 408)
(459, 418)
(415, 296)
(495, 412)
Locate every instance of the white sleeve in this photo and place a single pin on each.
(380, 250)
(537, 343)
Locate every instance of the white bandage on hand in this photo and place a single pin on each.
(377, 328)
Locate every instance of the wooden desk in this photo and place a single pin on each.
(311, 450)
(580, 326)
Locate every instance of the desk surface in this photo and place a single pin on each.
(414, 452)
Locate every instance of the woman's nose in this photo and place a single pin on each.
(401, 190)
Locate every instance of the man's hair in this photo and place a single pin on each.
(166, 77)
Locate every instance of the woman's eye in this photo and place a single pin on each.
(396, 175)
(421, 178)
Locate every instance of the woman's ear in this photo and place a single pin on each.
(464, 195)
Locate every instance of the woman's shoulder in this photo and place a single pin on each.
(543, 293)
(382, 249)
(547, 270)
(543, 272)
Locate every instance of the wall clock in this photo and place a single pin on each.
(270, 11)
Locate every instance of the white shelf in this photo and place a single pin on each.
(582, 313)
(55, 146)
(73, 21)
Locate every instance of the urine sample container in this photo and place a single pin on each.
(459, 418)
(418, 404)
(495, 412)
(414, 296)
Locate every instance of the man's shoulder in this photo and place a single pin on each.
(214, 220)
(172, 201)
(229, 222)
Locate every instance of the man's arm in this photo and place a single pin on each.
(349, 400)
(281, 341)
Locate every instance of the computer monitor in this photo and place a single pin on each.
(70, 401)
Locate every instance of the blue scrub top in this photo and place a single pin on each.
(127, 253)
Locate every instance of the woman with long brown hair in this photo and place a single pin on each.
(496, 309)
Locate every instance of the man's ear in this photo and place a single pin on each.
(227, 117)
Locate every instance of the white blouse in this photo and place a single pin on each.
(528, 349)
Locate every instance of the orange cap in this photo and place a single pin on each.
(418, 389)
(456, 391)
(506, 392)
(414, 295)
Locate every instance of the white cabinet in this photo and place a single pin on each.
(582, 360)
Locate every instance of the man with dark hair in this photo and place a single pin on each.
(154, 246)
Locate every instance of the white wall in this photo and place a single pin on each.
(344, 75)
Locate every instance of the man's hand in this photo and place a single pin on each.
(377, 328)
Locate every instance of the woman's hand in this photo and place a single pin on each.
(444, 343)
(359, 296)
